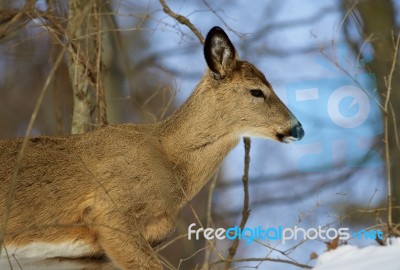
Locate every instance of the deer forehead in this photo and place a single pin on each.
(251, 73)
(245, 75)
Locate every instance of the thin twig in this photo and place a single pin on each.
(170, 242)
(8, 257)
(210, 222)
(13, 184)
(354, 79)
(240, 35)
(266, 259)
(246, 210)
(199, 221)
(100, 97)
(387, 146)
(183, 20)
(396, 133)
(28, 6)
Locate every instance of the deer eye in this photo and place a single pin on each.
(257, 93)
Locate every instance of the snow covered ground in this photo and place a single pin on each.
(52, 264)
(350, 257)
(346, 257)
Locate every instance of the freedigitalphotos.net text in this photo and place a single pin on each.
(249, 235)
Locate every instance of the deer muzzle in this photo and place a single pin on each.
(296, 132)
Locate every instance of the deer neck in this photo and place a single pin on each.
(196, 140)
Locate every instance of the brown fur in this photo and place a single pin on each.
(119, 188)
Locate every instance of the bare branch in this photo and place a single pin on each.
(396, 133)
(387, 146)
(246, 210)
(183, 20)
(13, 19)
(100, 97)
(265, 259)
(79, 65)
(14, 179)
(210, 222)
(240, 35)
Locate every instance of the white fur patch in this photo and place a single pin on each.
(48, 250)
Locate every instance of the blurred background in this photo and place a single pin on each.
(83, 64)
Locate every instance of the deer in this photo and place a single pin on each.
(118, 190)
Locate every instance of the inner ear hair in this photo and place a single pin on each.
(219, 53)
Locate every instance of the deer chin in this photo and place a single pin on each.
(274, 137)
(289, 139)
(284, 138)
(261, 135)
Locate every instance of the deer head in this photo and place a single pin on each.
(250, 103)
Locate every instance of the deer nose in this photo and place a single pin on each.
(297, 130)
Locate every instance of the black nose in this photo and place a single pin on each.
(297, 131)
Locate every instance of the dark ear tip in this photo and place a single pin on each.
(215, 30)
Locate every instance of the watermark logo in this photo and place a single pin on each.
(370, 235)
(249, 235)
(341, 117)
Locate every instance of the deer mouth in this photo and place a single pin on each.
(285, 138)
(280, 137)
(289, 139)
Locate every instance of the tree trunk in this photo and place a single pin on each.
(377, 19)
(85, 65)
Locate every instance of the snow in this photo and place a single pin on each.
(350, 257)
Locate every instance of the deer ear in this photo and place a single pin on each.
(219, 53)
